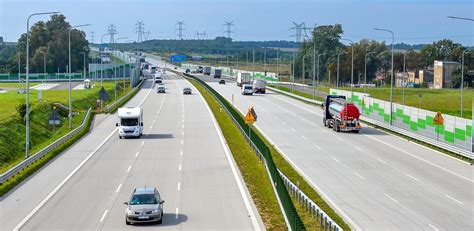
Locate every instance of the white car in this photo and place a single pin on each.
(247, 89)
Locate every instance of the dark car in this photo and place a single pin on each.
(221, 81)
(145, 205)
(187, 91)
(187, 70)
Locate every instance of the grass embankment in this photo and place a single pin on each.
(231, 131)
(252, 170)
(12, 129)
(302, 94)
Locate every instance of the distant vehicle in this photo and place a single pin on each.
(340, 114)
(163, 71)
(206, 71)
(130, 122)
(158, 78)
(187, 91)
(153, 69)
(187, 71)
(217, 73)
(259, 86)
(247, 89)
(199, 69)
(243, 78)
(142, 60)
(145, 205)
(161, 89)
(146, 66)
(221, 81)
(175, 68)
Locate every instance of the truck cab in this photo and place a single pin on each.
(130, 122)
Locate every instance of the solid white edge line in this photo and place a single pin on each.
(253, 218)
(63, 182)
(103, 215)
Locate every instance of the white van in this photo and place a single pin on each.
(247, 89)
(243, 78)
(130, 122)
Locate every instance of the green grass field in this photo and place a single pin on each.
(15, 85)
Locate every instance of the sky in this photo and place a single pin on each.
(413, 22)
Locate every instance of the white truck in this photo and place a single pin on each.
(243, 78)
(259, 86)
(130, 122)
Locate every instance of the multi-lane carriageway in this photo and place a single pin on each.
(376, 181)
(182, 153)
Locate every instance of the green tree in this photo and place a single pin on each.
(21, 109)
(51, 37)
(444, 49)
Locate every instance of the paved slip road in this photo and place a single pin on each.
(180, 153)
(376, 181)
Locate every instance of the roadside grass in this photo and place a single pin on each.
(12, 129)
(302, 94)
(16, 85)
(252, 170)
(18, 178)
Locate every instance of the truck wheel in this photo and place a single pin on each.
(338, 128)
(120, 137)
(324, 122)
(355, 131)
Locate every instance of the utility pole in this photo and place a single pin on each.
(391, 74)
(365, 69)
(92, 37)
(229, 30)
(112, 31)
(180, 28)
(337, 76)
(140, 30)
(317, 82)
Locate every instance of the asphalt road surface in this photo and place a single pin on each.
(376, 181)
(181, 153)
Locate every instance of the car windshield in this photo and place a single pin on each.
(129, 122)
(143, 199)
(248, 87)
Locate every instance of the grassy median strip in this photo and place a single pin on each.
(252, 170)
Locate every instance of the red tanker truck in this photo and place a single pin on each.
(340, 114)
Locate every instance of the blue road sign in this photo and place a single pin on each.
(178, 58)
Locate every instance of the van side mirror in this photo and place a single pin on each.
(162, 201)
(116, 124)
(125, 203)
(141, 124)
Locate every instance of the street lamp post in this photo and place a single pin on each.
(27, 116)
(303, 74)
(101, 60)
(391, 74)
(84, 65)
(404, 78)
(337, 77)
(462, 80)
(70, 68)
(115, 73)
(314, 69)
(365, 69)
(352, 67)
(317, 82)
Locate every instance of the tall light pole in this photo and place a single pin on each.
(303, 74)
(405, 75)
(115, 74)
(317, 82)
(27, 116)
(337, 77)
(101, 61)
(352, 67)
(391, 74)
(462, 80)
(365, 69)
(314, 69)
(462, 64)
(84, 64)
(70, 68)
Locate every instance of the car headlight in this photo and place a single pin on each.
(129, 212)
(155, 211)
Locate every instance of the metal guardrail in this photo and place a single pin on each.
(25, 163)
(136, 88)
(424, 139)
(323, 219)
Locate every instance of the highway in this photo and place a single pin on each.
(182, 153)
(376, 181)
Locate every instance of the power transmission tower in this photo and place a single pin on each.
(146, 34)
(92, 36)
(112, 31)
(140, 30)
(180, 28)
(202, 35)
(299, 28)
(229, 30)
